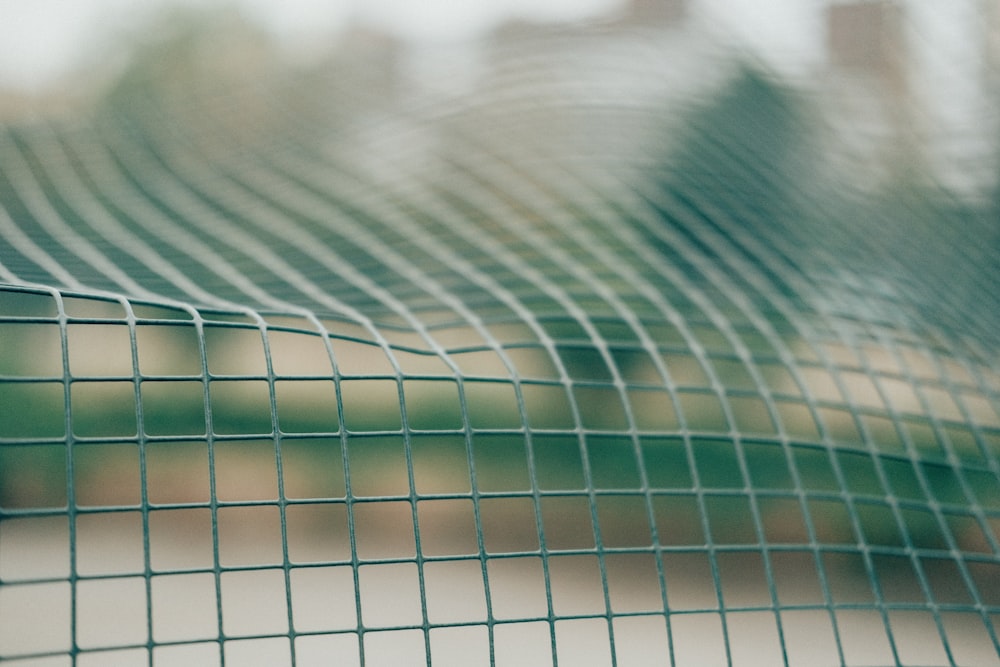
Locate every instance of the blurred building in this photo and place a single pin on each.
(909, 84)
(869, 81)
(868, 37)
(657, 12)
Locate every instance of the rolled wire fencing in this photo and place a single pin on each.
(601, 360)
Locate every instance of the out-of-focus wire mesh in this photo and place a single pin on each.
(603, 345)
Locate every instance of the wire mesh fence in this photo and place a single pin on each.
(610, 360)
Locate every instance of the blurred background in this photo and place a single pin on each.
(473, 329)
(928, 69)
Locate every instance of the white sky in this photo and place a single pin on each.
(41, 40)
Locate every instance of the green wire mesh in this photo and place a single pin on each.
(608, 362)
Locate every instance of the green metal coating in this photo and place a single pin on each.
(530, 375)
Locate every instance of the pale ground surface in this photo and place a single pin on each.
(113, 612)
